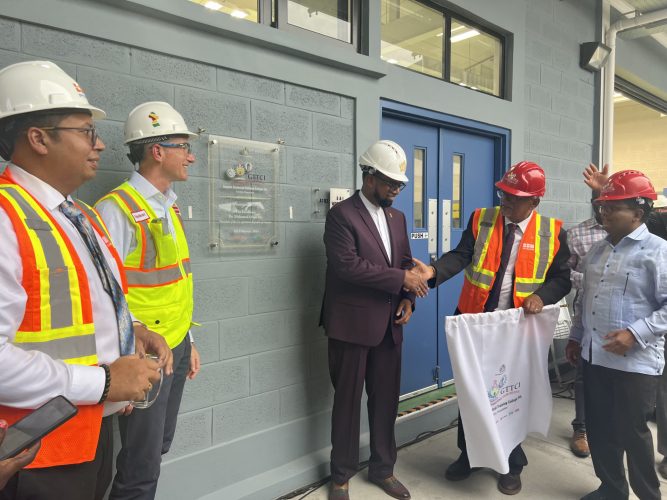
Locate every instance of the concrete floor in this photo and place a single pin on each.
(553, 472)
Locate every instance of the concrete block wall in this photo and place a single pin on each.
(264, 356)
(559, 103)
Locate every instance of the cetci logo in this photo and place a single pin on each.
(500, 387)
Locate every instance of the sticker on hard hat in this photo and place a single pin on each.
(154, 119)
(140, 215)
(78, 88)
(510, 178)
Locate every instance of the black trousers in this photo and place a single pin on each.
(661, 411)
(517, 459)
(350, 365)
(86, 481)
(617, 406)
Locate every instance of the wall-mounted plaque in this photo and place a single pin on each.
(244, 175)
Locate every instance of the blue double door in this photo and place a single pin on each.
(452, 172)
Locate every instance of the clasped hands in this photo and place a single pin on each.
(415, 279)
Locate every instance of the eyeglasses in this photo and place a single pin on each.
(394, 186)
(182, 145)
(611, 209)
(89, 131)
(507, 196)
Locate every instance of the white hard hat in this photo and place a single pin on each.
(152, 120)
(386, 157)
(40, 86)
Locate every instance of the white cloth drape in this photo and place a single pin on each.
(500, 363)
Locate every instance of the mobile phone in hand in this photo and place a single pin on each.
(34, 426)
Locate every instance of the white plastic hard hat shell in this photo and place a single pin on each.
(31, 86)
(153, 119)
(388, 158)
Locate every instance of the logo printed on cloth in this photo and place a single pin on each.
(500, 388)
(528, 246)
(177, 210)
(154, 119)
(140, 215)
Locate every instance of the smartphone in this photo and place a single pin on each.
(34, 426)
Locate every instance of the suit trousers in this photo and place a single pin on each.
(146, 434)
(350, 365)
(579, 422)
(517, 459)
(85, 481)
(617, 406)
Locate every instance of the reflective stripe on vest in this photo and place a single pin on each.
(536, 252)
(158, 270)
(58, 318)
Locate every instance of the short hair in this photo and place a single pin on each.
(12, 126)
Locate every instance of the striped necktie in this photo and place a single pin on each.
(111, 286)
(494, 294)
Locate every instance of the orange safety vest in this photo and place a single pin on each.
(58, 317)
(537, 250)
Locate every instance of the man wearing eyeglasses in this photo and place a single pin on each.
(369, 296)
(146, 227)
(65, 328)
(513, 257)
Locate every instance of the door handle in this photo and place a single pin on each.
(446, 229)
(432, 228)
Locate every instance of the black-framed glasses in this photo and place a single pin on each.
(182, 145)
(91, 132)
(394, 186)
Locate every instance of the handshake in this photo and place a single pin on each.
(415, 278)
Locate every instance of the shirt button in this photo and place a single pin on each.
(593, 313)
(595, 329)
(601, 281)
(595, 297)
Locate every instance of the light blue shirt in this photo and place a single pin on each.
(625, 286)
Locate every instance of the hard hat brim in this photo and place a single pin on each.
(517, 192)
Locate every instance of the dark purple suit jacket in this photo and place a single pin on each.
(363, 289)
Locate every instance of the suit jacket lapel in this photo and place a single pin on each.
(368, 220)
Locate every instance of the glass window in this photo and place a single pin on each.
(476, 58)
(328, 17)
(457, 179)
(418, 183)
(241, 9)
(412, 36)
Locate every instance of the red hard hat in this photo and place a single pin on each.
(627, 184)
(523, 179)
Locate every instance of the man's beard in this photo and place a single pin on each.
(385, 203)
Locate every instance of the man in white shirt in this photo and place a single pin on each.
(64, 326)
(145, 225)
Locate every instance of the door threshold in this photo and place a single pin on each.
(426, 401)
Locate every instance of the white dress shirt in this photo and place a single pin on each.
(380, 219)
(506, 298)
(30, 378)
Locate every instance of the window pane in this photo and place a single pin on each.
(412, 36)
(327, 17)
(418, 183)
(241, 9)
(476, 58)
(457, 163)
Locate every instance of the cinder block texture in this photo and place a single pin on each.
(347, 107)
(114, 157)
(221, 298)
(49, 43)
(207, 340)
(243, 417)
(217, 383)
(312, 168)
(305, 239)
(243, 84)
(271, 122)
(333, 134)
(172, 69)
(311, 99)
(104, 182)
(287, 291)
(193, 433)
(217, 113)
(300, 400)
(274, 369)
(194, 193)
(10, 34)
(118, 94)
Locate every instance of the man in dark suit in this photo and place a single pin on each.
(369, 296)
(513, 257)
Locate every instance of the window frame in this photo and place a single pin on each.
(503, 38)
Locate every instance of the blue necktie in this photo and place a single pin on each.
(111, 286)
(494, 294)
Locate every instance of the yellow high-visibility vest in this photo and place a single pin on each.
(158, 271)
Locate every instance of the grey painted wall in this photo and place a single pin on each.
(258, 415)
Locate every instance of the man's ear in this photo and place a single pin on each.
(156, 152)
(536, 201)
(38, 140)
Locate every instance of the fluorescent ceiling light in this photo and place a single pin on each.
(213, 5)
(464, 36)
(239, 14)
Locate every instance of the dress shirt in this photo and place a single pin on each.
(380, 219)
(506, 299)
(625, 286)
(580, 239)
(30, 378)
(122, 231)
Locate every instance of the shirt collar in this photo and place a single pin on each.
(523, 224)
(641, 233)
(367, 203)
(44, 193)
(147, 190)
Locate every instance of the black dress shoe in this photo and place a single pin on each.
(339, 491)
(459, 470)
(509, 484)
(392, 487)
